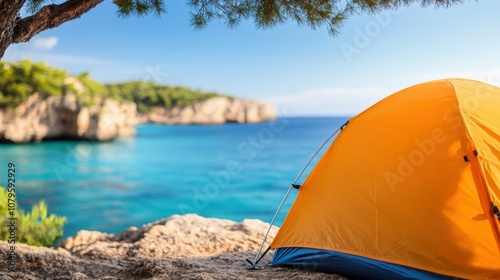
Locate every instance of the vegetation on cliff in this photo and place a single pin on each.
(19, 80)
(148, 95)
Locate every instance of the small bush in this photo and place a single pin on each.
(33, 228)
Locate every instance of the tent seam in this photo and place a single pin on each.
(494, 226)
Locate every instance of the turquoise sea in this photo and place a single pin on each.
(231, 171)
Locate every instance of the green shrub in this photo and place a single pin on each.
(19, 80)
(33, 228)
(148, 95)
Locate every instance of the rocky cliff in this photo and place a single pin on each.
(63, 117)
(215, 110)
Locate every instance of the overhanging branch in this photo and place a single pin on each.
(51, 16)
(9, 10)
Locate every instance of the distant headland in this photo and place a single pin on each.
(39, 103)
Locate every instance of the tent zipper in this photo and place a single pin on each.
(484, 195)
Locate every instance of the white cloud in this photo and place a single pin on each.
(44, 43)
(336, 101)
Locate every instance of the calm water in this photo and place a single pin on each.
(230, 171)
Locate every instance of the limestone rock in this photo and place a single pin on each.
(178, 247)
(176, 236)
(40, 118)
(216, 110)
(83, 237)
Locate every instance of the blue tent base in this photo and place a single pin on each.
(350, 266)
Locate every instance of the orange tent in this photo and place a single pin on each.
(408, 189)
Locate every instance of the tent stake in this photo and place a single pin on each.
(256, 260)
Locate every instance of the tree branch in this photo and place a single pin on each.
(51, 16)
(9, 10)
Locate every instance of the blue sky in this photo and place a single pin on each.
(302, 71)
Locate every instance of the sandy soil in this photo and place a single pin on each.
(178, 247)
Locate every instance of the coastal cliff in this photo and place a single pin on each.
(64, 117)
(39, 103)
(215, 110)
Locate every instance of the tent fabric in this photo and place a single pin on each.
(411, 181)
(351, 266)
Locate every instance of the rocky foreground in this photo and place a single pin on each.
(178, 247)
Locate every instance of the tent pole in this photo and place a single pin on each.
(288, 193)
(317, 151)
(271, 225)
